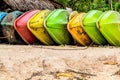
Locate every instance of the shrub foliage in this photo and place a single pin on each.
(86, 5)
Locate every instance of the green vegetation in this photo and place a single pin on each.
(86, 5)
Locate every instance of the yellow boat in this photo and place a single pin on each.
(76, 30)
(36, 26)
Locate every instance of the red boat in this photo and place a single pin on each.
(20, 26)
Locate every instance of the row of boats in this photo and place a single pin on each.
(61, 27)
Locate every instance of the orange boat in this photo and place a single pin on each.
(20, 25)
(75, 28)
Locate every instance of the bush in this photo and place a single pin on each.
(86, 5)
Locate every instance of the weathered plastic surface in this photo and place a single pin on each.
(36, 26)
(76, 30)
(90, 27)
(109, 26)
(20, 25)
(56, 25)
(8, 27)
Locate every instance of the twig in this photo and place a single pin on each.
(83, 73)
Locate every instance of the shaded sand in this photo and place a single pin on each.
(19, 62)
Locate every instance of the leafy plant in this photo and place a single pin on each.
(86, 5)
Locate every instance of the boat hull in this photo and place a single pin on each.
(2, 15)
(56, 25)
(76, 30)
(36, 26)
(90, 27)
(108, 24)
(8, 28)
(20, 26)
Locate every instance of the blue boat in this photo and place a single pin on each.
(8, 30)
(2, 15)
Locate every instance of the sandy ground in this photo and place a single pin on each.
(20, 62)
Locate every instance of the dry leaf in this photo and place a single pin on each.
(111, 62)
(65, 75)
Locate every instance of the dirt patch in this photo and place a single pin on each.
(20, 62)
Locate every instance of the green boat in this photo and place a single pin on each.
(8, 28)
(90, 27)
(109, 26)
(56, 25)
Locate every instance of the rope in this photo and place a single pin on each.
(86, 47)
(4, 37)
